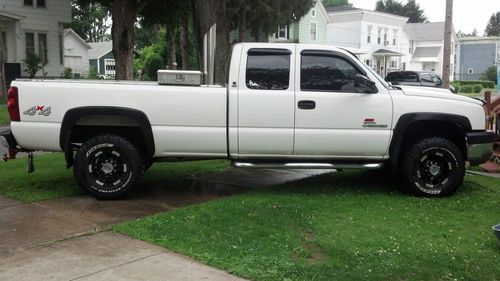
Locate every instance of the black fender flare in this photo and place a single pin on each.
(406, 120)
(73, 115)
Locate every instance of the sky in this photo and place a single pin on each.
(467, 14)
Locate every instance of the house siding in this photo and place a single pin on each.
(478, 57)
(102, 67)
(47, 20)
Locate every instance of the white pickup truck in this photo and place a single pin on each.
(285, 106)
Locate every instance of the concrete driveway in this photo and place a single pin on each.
(67, 239)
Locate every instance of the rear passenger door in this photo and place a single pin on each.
(266, 101)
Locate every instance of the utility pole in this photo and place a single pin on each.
(448, 26)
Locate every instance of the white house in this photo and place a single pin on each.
(387, 42)
(29, 24)
(76, 53)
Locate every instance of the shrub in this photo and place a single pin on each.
(33, 64)
(457, 87)
(152, 64)
(485, 84)
(93, 74)
(466, 89)
(477, 88)
(490, 74)
(68, 73)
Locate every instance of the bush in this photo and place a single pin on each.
(466, 89)
(152, 64)
(477, 88)
(33, 64)
(485, 84)
(68, 73)
(93, 74)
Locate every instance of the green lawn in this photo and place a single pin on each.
(345, 226)
(52, 180)
(4, 116)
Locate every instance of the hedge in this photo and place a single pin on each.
(466, 89)
(485, 84)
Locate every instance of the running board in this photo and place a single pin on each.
(248, 165)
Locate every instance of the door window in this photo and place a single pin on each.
(327, 73)
(268, 71)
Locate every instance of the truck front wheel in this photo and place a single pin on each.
(108, 166)
(434, 167)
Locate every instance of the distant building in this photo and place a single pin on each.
(101, 58)
(387, 42)
(27, 26)
(475, 55)
(76, 53)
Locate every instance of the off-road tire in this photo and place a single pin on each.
(108, 167)
(433, 167)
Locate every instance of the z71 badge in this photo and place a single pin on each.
(41, 110)
(372, 123)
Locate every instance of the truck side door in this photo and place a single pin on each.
(266, 101)
(332, 117)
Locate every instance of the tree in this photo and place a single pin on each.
(474, 33)
(90, 20)
(411, 9)
(124, 16)
(3, 55)
(493, 27)
(336, 3)
(490, 74)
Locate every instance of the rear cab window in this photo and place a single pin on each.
(268, 69)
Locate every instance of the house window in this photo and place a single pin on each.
(110, 67)
(369, 37)
(470, 71)
(36, 3)
(313, 13)
(30, 43)
(379, 37)
(412, 46)
(368, 63)
(268, 71)
(42, 45)
(313, 31)
(394, 40)
(385, 37)
(394, 64)
(61, 49)
(282, 32)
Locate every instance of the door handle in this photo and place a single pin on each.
(307, 104)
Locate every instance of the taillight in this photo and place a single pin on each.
(13, 104)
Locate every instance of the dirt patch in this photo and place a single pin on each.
(314, 253)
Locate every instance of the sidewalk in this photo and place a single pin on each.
(105, 256)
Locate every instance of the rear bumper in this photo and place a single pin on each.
(479, 145)
(6, 133)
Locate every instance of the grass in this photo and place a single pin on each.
(345, 226)
(4, 116)
(52, 180)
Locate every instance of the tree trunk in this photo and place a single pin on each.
(206, 13)
(184, 39)
(124, 14)
(171, 56)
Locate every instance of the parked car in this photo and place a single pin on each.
(416, 78)
(285, 106)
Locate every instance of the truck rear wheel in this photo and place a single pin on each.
(434, 167)
(108, 166)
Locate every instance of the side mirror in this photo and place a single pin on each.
(363, 84)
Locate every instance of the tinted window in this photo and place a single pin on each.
(402, 77)
(326, 73)
(426, 77)
(268, 71)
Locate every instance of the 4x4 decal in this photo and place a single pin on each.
(40, 109)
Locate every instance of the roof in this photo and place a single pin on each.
(426, 52)
(429, 31)
(323, 11)
(100, 49)
(346, 9)
(73, 33)
(384, 52)
(11, 16)
(341, 9)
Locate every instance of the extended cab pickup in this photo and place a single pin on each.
(285, 105)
